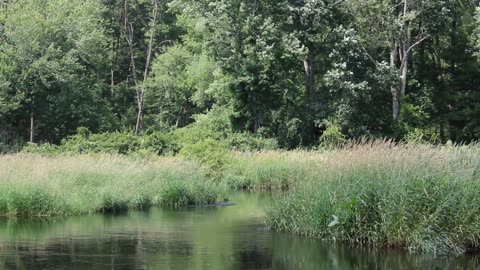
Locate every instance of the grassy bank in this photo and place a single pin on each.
(416, 196)
(34, 185)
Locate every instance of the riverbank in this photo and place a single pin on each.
(420, 197)
(34, 185)
(415, 196)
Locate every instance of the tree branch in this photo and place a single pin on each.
(417, 43)
(366, 52)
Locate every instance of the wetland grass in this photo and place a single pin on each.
(414, 196)
(419, 197)
(43, 186)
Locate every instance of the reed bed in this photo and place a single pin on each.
(420, 197)
(41, 186)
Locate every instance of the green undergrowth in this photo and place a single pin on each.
(40, 186)
(270, 170)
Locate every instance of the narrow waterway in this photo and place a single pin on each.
(227, 237)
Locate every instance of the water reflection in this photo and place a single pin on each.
(197, 238)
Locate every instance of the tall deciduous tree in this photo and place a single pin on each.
(51, 51)
(398, 27)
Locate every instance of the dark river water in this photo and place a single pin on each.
(231, 237)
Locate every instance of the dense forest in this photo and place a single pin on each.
(286, 70)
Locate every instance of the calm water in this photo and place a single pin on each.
(230, 237)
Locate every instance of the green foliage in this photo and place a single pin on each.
(52, 57)
(415, 136)
(248, 142)
(476, 36)
(161, 143)
(256, 73)
(31, 201)
(264, 171)
(210, 152)
(113, 143)
(42, 149)
(332, 137)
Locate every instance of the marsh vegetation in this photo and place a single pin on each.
(409, 195)
(45, 186)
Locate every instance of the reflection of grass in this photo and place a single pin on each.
(201, 220)
(290, 252)
(36, 186)
(416, 196)
(182, 238)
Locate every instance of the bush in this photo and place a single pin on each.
(249, 142)
(161, 143)
(414, 136)
(332, 137)
(42, 149)
(113, 143)
(209, 152)
(195, 142)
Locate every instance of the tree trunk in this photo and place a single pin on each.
(114, 48)
(395, 91)
(139, 125)
(182, 117)
(396, 105)
(309, 65)
(399, 92)
(442, 131)
(255, 116)
(141, 93)
(403, 75)
(31, 127)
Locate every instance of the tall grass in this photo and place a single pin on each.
(421, 197)
(417, 196)
(269, 170)
(34, 186)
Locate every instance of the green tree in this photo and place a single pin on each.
(52, 55)
(391, 30)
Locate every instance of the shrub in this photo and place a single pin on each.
(161, 143)
(42, 149)
(209, 152)
(414, 136)
(249, 142)
(266, 170)
(332, 137)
